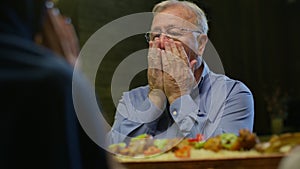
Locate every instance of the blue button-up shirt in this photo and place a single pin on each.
(217, 105)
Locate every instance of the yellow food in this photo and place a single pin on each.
(283, 143)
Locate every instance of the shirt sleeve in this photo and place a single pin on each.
(184, 111)
(134, 117)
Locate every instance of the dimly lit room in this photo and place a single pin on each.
(175, 84)
(256, 41)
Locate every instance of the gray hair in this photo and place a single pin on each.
(201, 20)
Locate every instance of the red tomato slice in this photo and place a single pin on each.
(199, 137)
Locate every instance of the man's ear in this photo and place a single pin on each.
(202, 39)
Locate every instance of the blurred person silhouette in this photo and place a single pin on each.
(39, 128)
(292, 161)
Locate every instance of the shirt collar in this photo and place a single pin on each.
(204, 73)
(201, 81)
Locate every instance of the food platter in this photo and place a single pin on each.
(256, 162)
(207, 159)
(225, 151)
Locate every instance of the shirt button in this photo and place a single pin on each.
(174, 113)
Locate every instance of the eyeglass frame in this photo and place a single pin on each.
(147, 34)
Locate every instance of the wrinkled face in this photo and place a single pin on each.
(178, 17)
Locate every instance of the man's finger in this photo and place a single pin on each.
(156, 43)
(150, 44)
(164, 59)
(167, 47)
(174, 48)
(154, 58)
(182, 53)
(193, 64)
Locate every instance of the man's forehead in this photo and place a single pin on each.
(166, 20)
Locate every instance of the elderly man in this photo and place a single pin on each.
(183, 97)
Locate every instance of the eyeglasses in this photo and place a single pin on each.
(172, 32)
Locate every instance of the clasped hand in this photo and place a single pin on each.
(170, 73)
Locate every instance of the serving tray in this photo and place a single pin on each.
(270, 161)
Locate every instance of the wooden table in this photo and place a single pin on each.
(263, 161)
